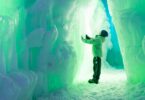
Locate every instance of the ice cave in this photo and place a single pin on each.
(42, 56)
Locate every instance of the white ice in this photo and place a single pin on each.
(112, 86)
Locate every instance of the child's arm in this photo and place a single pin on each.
(91, 40)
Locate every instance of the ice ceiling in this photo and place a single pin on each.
(41, 50)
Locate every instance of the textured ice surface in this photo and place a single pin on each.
(9, 88)
(129, 20)
(112, 86)
(17, 85)
(41, 50)
(34, 53)
(44, 37)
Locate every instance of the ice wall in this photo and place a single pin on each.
(115, 50)
(129, 20)
(33, 39)
(51, 56)
(15, 84)
(36, 56)
(40, 45)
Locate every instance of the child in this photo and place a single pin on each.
(97, 53)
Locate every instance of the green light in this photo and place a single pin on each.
(86, 66)
(8, 7)
(89, 18)
(129, 20)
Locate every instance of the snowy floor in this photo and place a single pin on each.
(112, 86)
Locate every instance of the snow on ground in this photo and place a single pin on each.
(112, 86)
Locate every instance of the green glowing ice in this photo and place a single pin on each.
(89, 18)
(36, 41)
(47, 39)
(129, 19)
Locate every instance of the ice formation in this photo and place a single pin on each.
(41, 49)
(129, 17)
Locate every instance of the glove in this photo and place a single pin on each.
(87, 37)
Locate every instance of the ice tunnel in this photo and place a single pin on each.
(41, 49)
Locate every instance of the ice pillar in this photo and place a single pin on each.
(129, 20)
